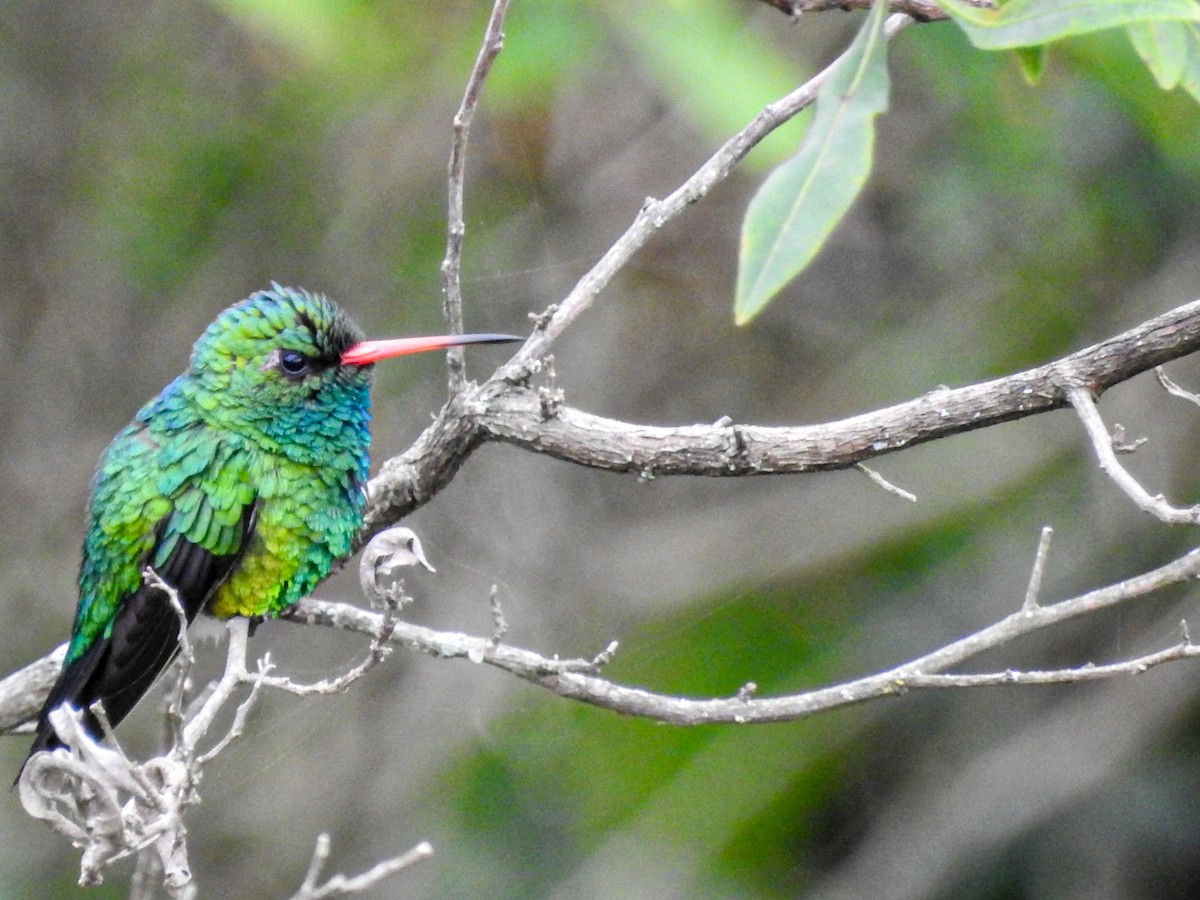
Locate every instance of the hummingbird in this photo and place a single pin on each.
(241, 485)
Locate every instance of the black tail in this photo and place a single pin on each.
(118, 669)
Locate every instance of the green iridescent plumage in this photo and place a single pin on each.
(235, 436)
(241, 484)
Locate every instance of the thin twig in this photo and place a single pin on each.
(239, 716)
(1121, 443)
(147, 876)
(127, 765)
(1034, 590)
(493, 42)
(234, 675)
(154, 580)
(1137, 665)
(455, 645)
(175, 704)
(925, 672)
(340, 885)
(319, 857)
(1174, 389)
(1102, 442)
(379, 651)
(885, 484)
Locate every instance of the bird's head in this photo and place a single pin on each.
(276, 347)
(284, 363)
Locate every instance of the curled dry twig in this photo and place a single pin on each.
(112, 807)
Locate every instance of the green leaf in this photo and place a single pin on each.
(1163, 47)
(1190, 78)
(1032, 63)
(1024, 23)
(802, 201)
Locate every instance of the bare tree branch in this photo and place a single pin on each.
(493, 42)
(918, 674)
(446, 644)
(410, 480)
(377, 653)
(920, 10)
(577, 679)
(518, 416)
(23, 692)
(508, 413)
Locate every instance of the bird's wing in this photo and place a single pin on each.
(182, 505)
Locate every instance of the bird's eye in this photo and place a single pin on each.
(293, 362)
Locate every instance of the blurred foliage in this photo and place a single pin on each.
(162, 160)
(717, 71)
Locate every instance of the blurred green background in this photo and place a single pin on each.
(161, 160)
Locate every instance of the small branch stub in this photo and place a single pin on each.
(1034, 589)
(882, 482)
